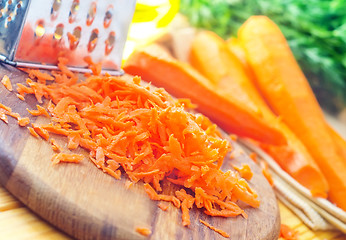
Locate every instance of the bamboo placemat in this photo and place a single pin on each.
(17, 223)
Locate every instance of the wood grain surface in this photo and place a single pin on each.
(84, 202)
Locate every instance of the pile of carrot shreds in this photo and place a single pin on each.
(142, 131)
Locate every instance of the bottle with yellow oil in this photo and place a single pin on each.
(149, 22)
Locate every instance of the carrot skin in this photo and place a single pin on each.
(226, 71)
(183, 81)
(286, 89)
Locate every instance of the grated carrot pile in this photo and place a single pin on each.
(143, 132)
(219, 231)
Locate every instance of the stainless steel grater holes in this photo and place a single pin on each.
(36, 32)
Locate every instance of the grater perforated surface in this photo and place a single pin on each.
(39, 31)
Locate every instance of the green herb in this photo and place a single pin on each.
(315, 30)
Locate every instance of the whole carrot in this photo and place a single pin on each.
(234, 45)
(286, 89)
(339, 141)
(155, 65)
(227, 73)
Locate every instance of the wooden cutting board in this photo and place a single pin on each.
(86, 203)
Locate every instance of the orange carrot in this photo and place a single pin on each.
(235, 46)
(7, 83)
(253, 156)
(266, 173)
(185, 214)
(233, 137)
(187, 203)
(63, 68)
(162, 206)
(287, 233)
(143, 231)
(20, 97)
(33, 132)
(40, 111)
(14, 115)
(22, 90)
(23, 121)
(41, 131)
(128, 184)
(157, 197)
(94, 67)
(286, 89)
(245, 171)
(227, 72)
(224, 109)
(3, 116)
(41, 77)
(8, 109)
(293, 158)
(219, 231)
(4, 111)
(73, 140)
(67, 158)
(210, 56)
(55, 146)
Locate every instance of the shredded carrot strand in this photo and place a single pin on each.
(33, 132)
(55, 146)
(245, 171)
(253, 156)
(67, 158)
(3, 116)
(23, 121)
(4, 111)
(40, 111)
(128, 184)
(8, 109)
(233, 137)
(266, 173)
(143, 231)
(219, 231)
(7, 83)
(162, 206)
(20, 97)
(41, 131)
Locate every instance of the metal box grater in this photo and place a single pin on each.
(34, 33)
